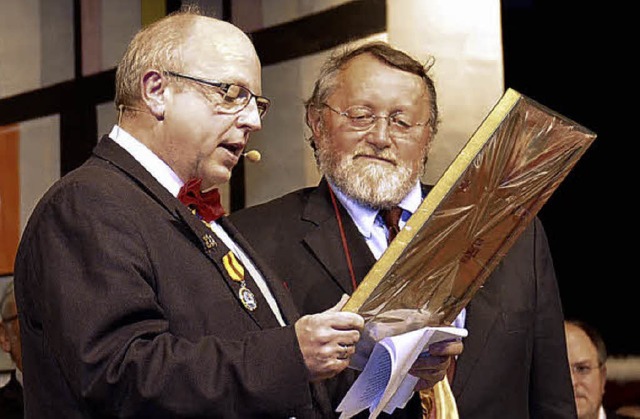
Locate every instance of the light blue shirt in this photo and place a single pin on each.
(372, 228)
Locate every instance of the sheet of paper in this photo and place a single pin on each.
(384, 383)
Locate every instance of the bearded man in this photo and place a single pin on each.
(373, 115)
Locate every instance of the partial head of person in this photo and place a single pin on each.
(189, 88)
(10, 326)
(372, 116)
(587, 359)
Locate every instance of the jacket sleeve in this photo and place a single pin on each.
(551, 394)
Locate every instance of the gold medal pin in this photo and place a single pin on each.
(236, 272)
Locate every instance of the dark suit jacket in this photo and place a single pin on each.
(11, 404)
(126, 309)
(514, 363)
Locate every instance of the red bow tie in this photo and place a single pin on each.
(207, 205)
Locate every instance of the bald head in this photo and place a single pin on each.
(167, 43)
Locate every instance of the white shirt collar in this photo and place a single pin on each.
(601, 413)
(150, 161)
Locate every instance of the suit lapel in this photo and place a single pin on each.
(202, 235)
(109, 150)
(215, 249)
(325, 241)
(279, 292)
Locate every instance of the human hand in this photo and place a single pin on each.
(328, 339)
(431, 367)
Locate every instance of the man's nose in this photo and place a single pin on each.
(250, 116)
(378, 134)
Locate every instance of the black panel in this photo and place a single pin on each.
(173, 5)
(78, 136)
(572, 57)
(92, 90)
(321, 31)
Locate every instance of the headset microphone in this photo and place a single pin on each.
(253, 156)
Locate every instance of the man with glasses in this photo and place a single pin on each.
(587, 359)
(373, 115)
(11, 398)
(136, 298)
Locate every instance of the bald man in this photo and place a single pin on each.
(136, 300)
(587, 359)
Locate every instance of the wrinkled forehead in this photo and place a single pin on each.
(367, 78)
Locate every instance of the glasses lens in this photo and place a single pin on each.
(401, 122)
(360, 118)
(235, 97)
(236, 93)
(238, 97)
(263, 105)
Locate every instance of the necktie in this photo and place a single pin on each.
(391, 218)
(206, 205)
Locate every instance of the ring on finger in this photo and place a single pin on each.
(343, 354)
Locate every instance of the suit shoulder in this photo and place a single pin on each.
(276, 208)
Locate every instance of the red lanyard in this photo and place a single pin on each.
(344, 238)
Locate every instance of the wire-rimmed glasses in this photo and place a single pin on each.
(581, 369)
(234, 97)
(362, 118)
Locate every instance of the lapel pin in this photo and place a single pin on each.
(209, 242)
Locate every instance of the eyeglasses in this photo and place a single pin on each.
(362, 118)
(582, 370)
(234, 97)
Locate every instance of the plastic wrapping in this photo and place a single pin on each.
(499, 181)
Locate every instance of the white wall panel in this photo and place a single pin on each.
(121, 19)
(57, 41)
(19, 46)
(464, 37)
(39, 161)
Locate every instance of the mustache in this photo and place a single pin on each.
(385, 154)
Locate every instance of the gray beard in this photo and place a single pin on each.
(376, 185)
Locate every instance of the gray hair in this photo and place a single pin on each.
(326, 82)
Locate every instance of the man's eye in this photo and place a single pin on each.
(401, 121)
(233, 92)
(360, 115)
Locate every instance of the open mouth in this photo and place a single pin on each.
(233, 148)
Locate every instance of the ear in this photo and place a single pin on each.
(603, 378)
(153, 86)
(314, 121)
